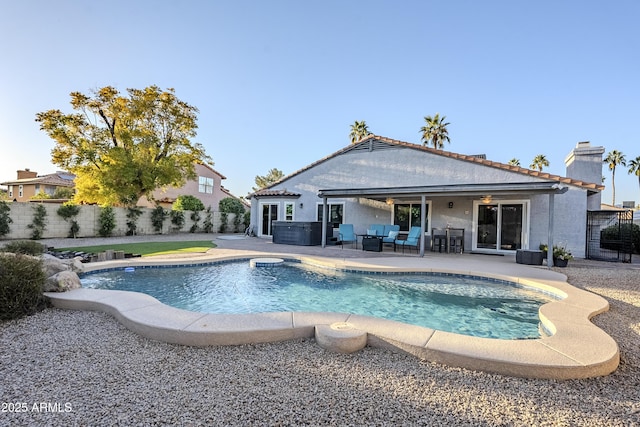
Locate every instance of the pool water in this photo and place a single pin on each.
(458, 304)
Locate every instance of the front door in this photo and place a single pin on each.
(501, 226)
(267, 216)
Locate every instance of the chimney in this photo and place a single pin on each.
(26, 174)
(584, 163)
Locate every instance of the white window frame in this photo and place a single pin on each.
(293, 211)
(205, 187)
(11, 191)
(20, 190)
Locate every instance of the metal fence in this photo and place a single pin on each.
(609, 235)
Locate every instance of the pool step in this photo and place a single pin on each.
(265, 262)
(340, 337)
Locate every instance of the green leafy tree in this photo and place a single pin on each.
(539, 162)
(613, 159)
(435, 131)
(63, 193)
(514, 162)
(40, 195)
(274, 175)
(634, 169)
(123, 147)
(359, 130)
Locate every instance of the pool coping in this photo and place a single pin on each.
(576, 349)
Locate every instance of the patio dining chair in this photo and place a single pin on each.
(412, 241)
(346, 234)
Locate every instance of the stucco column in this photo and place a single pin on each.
(423, 219)
(550, 237)
(324, 222)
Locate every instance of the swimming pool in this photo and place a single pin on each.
(453, 303)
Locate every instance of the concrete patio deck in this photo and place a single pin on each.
(576, 348)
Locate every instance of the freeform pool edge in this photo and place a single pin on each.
(576, 348)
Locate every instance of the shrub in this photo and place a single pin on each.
(21, 282)
(188, 203)
(177, 219)
(195, 217)
(231, 205)
(24, 247)
(246, 219)
(157, 218)
(107, 221)
(207, 224)
(611, 236)
(39, 223)
(223, 222)
(132, 219)
(70, 211)
(5, 219)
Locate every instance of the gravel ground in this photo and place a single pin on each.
(87, 369)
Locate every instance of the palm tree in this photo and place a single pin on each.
(514, 162)
(614, 158)
(359, 130)
(435, 131)
(539, 162)
(634, 168)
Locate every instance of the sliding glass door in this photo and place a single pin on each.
(268, 214)
(500, 226)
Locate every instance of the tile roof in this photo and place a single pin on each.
(49, 179)
(463, 157)
(274, 193)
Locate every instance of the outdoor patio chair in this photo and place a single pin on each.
(390, 233)
(346, 234)
(413, 238)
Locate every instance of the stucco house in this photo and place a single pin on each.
(379, 180)
(28, 183)
(207, 187)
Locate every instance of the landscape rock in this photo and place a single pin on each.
(62, 282)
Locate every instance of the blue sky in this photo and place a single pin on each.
(278, 83)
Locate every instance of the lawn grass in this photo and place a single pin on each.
(148, 248)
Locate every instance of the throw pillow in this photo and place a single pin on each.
(393, 234)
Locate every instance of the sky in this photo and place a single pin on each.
(278, 83)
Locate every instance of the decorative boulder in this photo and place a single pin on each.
(53, 265)
(62, 281)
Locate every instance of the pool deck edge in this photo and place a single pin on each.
(577, 348)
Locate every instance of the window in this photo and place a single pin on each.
(336, 213)
(20, 190)
(205, 185)
(11, 191)
(407, 215)
(288, 211)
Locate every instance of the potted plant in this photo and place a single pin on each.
(561, 256)
(543, 248)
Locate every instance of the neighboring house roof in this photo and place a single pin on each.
(213, 170)
(59, 179)
(381, 142)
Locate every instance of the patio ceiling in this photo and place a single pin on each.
(499, 189)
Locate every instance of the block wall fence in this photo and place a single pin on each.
(22, 215)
